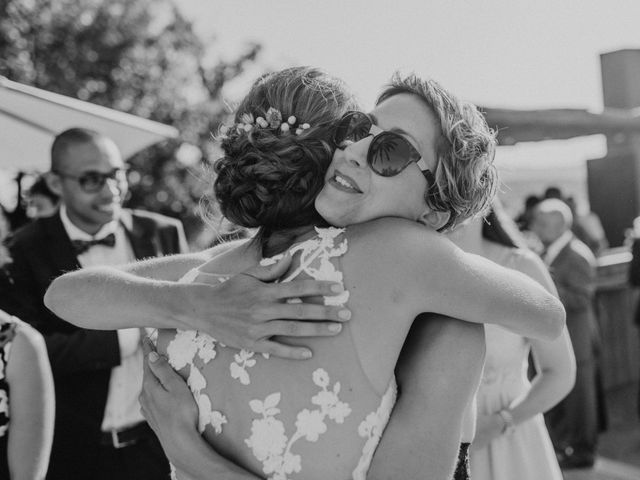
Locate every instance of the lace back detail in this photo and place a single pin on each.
(315, 259)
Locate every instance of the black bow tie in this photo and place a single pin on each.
(82, 246)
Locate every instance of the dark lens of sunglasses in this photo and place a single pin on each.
(352, 128)
(389, 154)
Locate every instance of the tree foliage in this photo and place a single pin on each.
(137, 56)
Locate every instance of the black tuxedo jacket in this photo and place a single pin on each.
(574, 273)
(81, 359)
(634, 274)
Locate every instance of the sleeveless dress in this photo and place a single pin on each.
(527, 452)
(7, 333)
(283, 419)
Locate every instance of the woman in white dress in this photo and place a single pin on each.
(511, 440)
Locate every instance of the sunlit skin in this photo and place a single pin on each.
(354, 193)
(90, 211)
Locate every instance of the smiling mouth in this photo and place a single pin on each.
(344, 183)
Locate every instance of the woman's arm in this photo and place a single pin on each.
(31, 405)
(555, 364)
(448, 281)
(244, 312)
(438, 374)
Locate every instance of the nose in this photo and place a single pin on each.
(355, 153)
(113, 187)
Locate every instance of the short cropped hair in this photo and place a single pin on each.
(72, 136)
(466, 180)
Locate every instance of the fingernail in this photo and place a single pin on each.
(153, 357)
(337, 288)
(306, 354)
(335, 327)
(344, 314)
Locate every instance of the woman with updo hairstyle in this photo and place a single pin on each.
(269, 178)
(323, 417)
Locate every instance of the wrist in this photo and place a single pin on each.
(506, 417)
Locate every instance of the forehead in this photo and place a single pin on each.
(95, 155)
(408, 114)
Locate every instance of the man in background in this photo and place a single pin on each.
(573, 423)
(100, 432)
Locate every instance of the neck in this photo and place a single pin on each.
(274, 242)
(469, 237)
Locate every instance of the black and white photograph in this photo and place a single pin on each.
(195, 277)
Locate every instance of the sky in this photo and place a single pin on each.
(495, 53)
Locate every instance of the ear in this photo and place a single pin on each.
(434, 219)
(53, 182)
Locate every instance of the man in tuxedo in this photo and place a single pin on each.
(573, 423)
(100, 432)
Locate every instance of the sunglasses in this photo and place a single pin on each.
(388, 154)
(93, 182)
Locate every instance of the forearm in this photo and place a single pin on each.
(405, 452)
(556, 366)
(547, 389)
(104, 298)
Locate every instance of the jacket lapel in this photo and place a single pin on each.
(63, 255)
(561, 254)
(141, 238)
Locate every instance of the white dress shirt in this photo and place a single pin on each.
(122, 408)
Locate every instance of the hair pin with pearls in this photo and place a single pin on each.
(272, 119)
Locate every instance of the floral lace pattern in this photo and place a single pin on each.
(268, 439)
(7, 332)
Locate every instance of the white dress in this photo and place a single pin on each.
(527, 452)
(284, 419)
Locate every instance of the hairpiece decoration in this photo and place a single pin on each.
(272, 120)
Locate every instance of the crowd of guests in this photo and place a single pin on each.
(76, 221)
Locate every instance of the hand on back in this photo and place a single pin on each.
(250, 309)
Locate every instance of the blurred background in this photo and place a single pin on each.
(538, 70)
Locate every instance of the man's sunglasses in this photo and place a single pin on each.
(388, 154)
(93, 182)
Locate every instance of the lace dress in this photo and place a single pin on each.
(282, 419)
(527, 452)
(7, 333)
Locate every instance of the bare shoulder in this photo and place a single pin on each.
(399, 236)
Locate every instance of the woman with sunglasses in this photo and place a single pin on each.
(323, 418)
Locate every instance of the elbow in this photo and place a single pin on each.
(557, 319)
(57, 298)
(52, 297)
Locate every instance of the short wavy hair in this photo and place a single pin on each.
(466, 179)
(268, 179)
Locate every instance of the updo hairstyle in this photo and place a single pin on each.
(268, 178)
